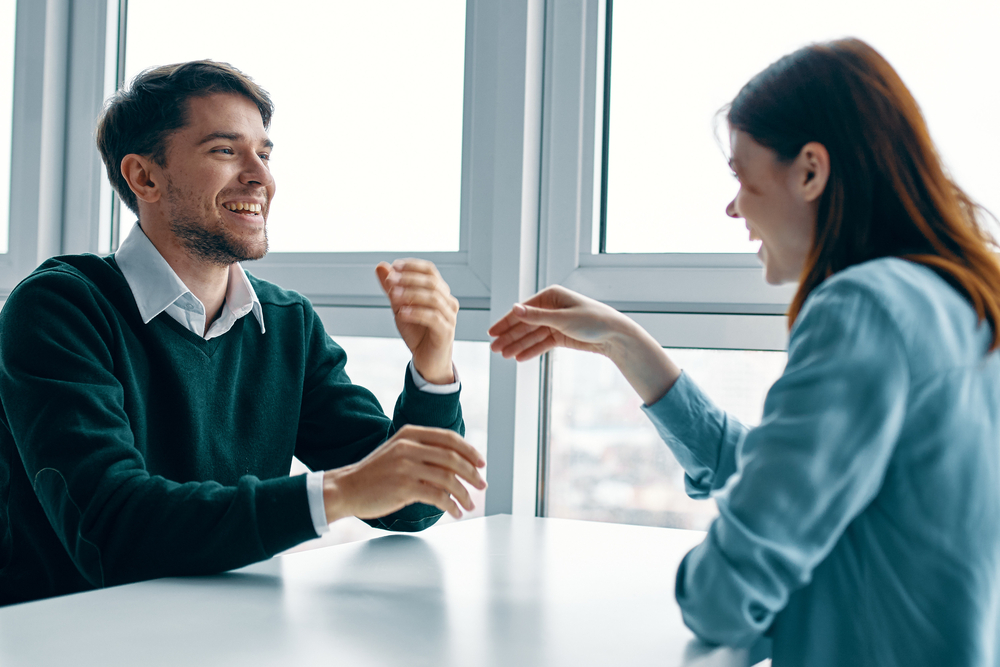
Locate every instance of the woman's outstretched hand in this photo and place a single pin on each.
(558, 317)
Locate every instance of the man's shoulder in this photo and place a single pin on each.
(270, 294)
(98, 275)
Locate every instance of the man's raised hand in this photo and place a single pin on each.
(425, 313)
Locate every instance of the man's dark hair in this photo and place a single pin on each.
(138, 119)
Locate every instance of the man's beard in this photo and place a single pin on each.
(216, 246)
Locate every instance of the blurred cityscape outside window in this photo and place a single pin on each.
(607, 462)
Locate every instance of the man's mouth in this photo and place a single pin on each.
(244, 207)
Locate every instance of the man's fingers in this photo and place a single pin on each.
(442, 438)
(421, 280)
(383, 271)
(416, 265)
(452, 462)
(431, 318)
(400, 297)
(447, 482)
(442, 500)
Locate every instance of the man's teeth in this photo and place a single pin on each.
(243, 206)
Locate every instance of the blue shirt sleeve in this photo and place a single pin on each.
(795, 482)
(702, 437)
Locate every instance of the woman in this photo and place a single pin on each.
(859, 524)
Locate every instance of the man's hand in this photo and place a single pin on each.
(418, 464)
(425, 313)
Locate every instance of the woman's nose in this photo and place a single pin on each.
(731, 209)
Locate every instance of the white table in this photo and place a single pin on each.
(495, 591)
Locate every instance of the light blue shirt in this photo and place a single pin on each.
(859, 524)
(157, 289)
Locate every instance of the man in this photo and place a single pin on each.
(152, 401)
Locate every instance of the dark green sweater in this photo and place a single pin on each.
(131, 451)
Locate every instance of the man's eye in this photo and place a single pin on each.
(227, 151)
(265, 156)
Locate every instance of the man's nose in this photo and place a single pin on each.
(255, 171)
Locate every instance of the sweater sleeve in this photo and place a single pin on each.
(342, 422)
(64, 409)
(818, 458)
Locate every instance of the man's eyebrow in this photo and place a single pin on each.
(230, 136)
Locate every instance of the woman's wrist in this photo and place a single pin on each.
(642, 361)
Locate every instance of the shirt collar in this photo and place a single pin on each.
(156, 286)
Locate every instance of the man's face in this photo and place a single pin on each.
(218, 182)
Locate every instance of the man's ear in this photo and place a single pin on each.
(813, 170)
(138, 173)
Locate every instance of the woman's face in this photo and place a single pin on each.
(779, 202)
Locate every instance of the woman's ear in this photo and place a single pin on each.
(138, 173)
(813, 170)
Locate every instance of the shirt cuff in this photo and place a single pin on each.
(424, 385)
(317, 508)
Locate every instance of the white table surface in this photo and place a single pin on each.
(499, 590)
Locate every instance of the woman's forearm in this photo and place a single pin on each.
(642, 361)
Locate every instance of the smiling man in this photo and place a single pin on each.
(152, 400)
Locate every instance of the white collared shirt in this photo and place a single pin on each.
(157, 289)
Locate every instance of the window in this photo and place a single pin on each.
(674, 65)
(7, 22)
(607, 463)
(368, 110)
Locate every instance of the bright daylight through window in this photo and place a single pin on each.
(674, 65)
(7, 10)
(368, 110)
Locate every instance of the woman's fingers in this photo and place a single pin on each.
(538, 349)
(530, 339)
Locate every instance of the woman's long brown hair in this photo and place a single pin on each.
(888, 194)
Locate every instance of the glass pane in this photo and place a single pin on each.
(607, 461)
(674, 65)
(379, 365)
(7, 21)
(368, 120)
